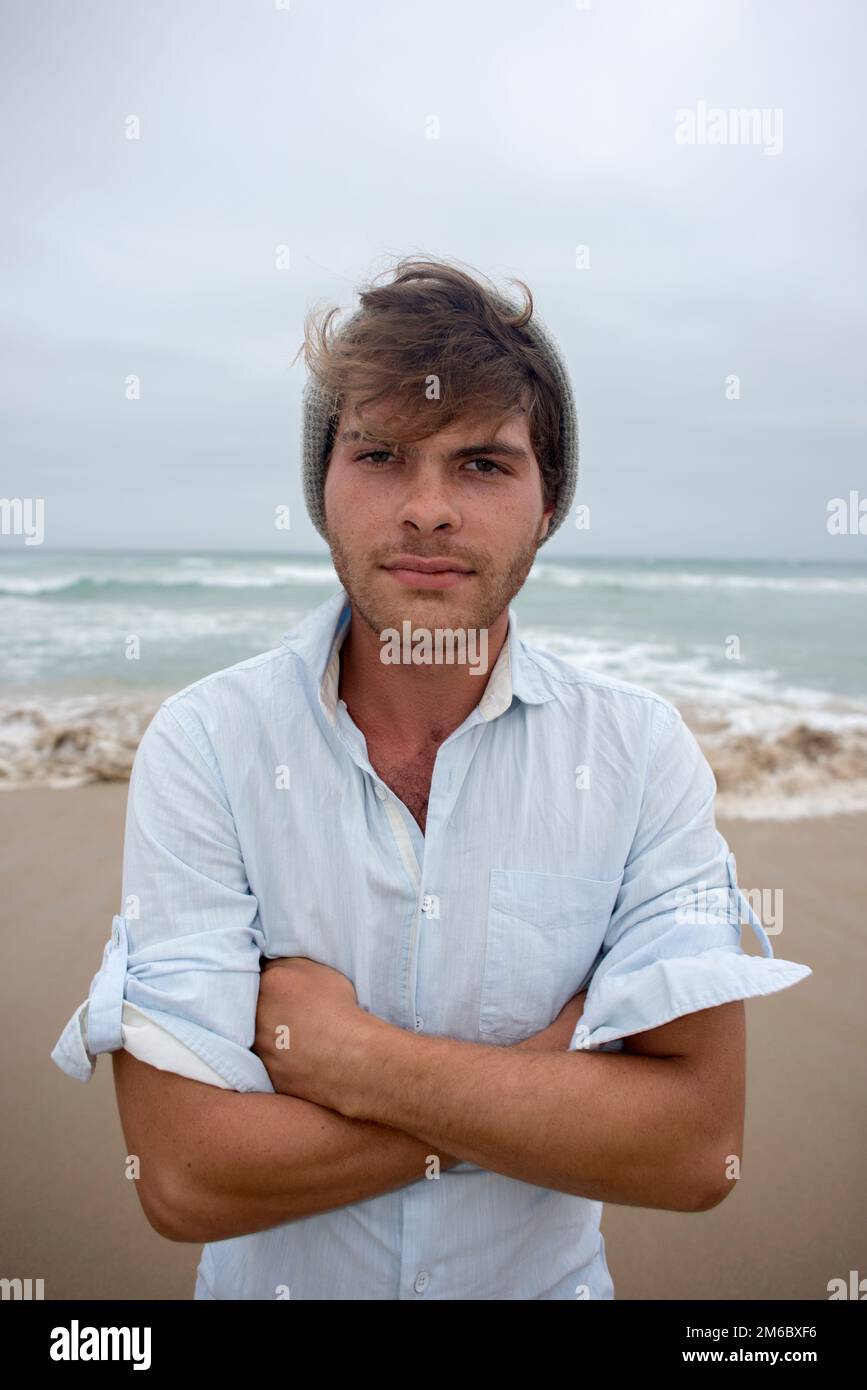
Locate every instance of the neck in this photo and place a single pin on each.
(410, 706)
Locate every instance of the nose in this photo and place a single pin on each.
(426, 503)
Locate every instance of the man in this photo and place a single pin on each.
(503, 979)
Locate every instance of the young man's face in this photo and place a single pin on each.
(443, 498)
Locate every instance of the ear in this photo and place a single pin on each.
(546, 519)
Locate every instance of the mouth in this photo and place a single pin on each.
(416, 573)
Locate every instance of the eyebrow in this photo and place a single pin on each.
(489, 446)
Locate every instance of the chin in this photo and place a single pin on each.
(433, 608)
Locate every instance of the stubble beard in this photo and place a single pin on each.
(495, 587)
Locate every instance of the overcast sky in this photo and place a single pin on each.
(307, 127)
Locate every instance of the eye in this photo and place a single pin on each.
(377, 458)
(489, 463)
(383, 454)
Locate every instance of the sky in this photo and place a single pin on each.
(714, 324)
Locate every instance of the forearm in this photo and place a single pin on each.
(612, 1126)
(218, 1164)
(280, 1158)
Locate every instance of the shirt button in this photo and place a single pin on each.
(421, 1281)
(381, 792)
(419, 1023)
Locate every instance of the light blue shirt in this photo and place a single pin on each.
(570, 837)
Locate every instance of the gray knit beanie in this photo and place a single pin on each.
(319, 420)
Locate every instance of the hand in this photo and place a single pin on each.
(307, 1015)
(558, 1035)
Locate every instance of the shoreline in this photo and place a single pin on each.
(798, 771)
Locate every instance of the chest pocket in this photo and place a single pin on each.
(544, 933)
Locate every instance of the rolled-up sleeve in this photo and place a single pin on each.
(673, 944)
(185, 951)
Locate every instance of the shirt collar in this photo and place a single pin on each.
(318, 637)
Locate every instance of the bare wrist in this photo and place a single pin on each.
(356, 1064)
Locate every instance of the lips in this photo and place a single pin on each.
(415, 572)
(415, 562)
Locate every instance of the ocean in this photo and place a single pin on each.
(766, 660)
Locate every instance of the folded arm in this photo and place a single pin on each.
(649, 1125)
(216, 1163)
(654, 1125)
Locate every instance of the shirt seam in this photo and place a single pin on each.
(213, 771)
(652, 745)
(703, 1001)
(220, 1065)
(252, 663)
(595, 682)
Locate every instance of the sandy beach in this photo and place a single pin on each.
(794, 1222)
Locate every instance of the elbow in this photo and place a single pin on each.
(713, 1179)
(168, 1212)
(711, 1196)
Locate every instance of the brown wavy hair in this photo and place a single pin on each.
(434, 319)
